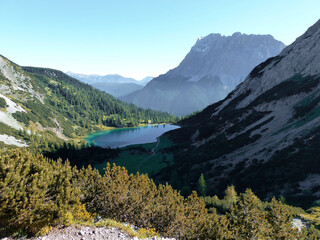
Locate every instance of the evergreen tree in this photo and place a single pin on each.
(202, 186)
(281, 221)
(230, 198)
(248, 219)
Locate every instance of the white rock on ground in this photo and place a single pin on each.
(299, 223)
(12, 107)
(91, 233)
(10, 140)
(6, 117)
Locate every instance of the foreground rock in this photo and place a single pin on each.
(88, 233)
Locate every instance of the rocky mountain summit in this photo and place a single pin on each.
(214, 66)
(265, 134)
(230, 58)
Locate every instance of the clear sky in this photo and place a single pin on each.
(136, 38)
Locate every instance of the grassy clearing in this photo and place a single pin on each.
(156, 163)
(130, 157)
(165, 142)
(139, 158)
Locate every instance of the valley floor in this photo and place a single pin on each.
(147, 158)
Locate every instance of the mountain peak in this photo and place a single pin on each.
(214, 54)
(314, 29)
(236, 34)
(266, 133)
(215, 65)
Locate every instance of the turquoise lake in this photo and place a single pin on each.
(122, 137)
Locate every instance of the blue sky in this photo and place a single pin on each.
(136, 38)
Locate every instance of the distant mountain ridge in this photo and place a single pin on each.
(114, 84)
(265, 134)
(113, 78)
(212, 68)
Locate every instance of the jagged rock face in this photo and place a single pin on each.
(265, 134)
(229, 57)
(213, 67)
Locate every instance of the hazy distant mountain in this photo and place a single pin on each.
(265, 134)
(213, 67)
(145, 80)
(114, 78)
(113, 84)
(117, 89)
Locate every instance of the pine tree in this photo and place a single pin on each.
(248, 219)
(230, 198)
(313, 215)
(202, 186)
(280, 220)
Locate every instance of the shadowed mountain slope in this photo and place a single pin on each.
(265, 134)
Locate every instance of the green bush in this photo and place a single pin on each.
(3, 103)
(35, 193)
(137, 200)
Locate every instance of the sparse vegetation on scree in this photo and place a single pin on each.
(38, 193)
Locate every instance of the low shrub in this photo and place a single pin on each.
(36, 193)
(3, 103)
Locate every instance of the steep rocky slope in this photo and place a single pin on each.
(212, 68)
(265, 134)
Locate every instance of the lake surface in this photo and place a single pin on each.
(122, 137)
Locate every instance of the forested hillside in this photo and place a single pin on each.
(46, 105)
(87, 105)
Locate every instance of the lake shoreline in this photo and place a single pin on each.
(92, 138)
